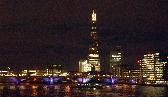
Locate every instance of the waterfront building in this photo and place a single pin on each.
(151, 69)
(93, 53)
(135, 74)
(115, 61)
(33, 72)
(128, 75)
(165, 69)
(165, 72)
(92, 63)
(55, 69)
(84, 66)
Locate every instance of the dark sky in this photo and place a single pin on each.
(56, 31)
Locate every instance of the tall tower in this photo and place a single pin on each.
(93, 54)
(116, 61)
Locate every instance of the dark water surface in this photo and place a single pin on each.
(32, 90)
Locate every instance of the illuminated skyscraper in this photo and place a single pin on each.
(92, 63)
(115, 61)
(93, 53)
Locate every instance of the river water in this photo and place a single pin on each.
(34, 90)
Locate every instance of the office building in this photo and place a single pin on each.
(55, 69)
(84, 66)
(151, 69)
(165, 69)
(115, 61)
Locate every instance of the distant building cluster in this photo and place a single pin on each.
(151, 69)
(52, 70)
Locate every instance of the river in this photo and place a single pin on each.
(32, 90)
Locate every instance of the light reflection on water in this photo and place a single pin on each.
(107, 91)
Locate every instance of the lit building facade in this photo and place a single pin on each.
(84, 66)
(115, 61)
(93, 53)
(151, 68)
(165, 70)
(130, 75)
(55, 69)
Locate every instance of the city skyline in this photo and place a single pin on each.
(50, 34)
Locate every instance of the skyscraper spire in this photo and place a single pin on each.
(93, 16)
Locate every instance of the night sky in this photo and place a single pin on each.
(57, 31)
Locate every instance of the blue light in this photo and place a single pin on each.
(56, 79)
(14, 80)
(132, 81)
(84, 80)
(46, 80)
(51, 80)
(22, 80)
(110, 80)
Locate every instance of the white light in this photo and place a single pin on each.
(3, 71)
(93, 55)
(93, 16)
(116, 56)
